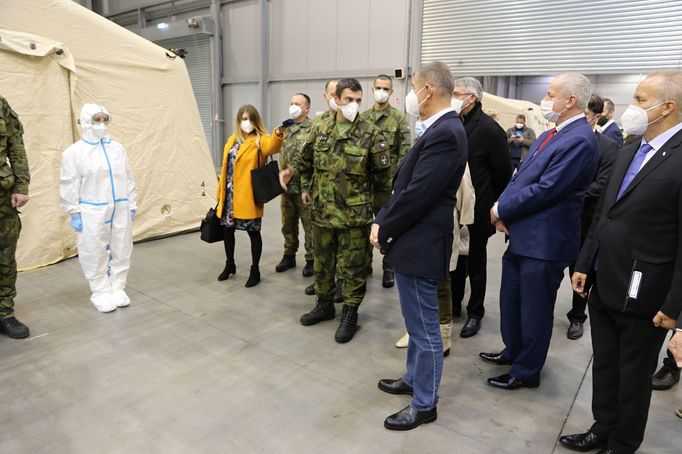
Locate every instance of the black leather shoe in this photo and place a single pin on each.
(397, 386)
(13, 328)
(665, 378)
(471, 327)
(254, 277)
(587, 441)
(388, 279)
(575, 331)
(348, 324)
(506, 381)
(408, 418)
(310, 290)
(287, 262)
(308, 269)
(321, 312)
(230, 268)
(606, 451)
(338, 294)
(495, 358)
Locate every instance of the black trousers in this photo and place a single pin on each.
(476, 263)
(578, 304)
(625, 356)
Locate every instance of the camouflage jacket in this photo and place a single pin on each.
(14, 173)
(393, 124)
(293, 143)
(343, 170)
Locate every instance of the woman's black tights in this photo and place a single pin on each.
(256, 246)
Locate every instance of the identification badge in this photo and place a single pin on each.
(635, 280)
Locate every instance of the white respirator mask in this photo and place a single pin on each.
(295, 111)
(381, 95)
(635, 120)
(350, 110)
(246, 126)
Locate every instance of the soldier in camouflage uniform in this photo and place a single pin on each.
(393, 124)
(344, 160)
(292, 206)
(14, 179)
(328, 94)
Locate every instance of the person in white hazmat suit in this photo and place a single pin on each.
(97, 190)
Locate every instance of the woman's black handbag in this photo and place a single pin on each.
(211, 230)
(265, 181)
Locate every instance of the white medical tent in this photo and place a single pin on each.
(55, 56)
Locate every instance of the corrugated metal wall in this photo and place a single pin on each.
(198, 62)
(533, 37)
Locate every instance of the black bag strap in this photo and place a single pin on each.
(260, 156)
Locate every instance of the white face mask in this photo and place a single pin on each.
(295, 111)
(412, 102)
(246, 126)
(349, 110)
(547, 109)
(635, 120)
(520, 125)
(419, 129)
(458, 104)
(332, 104)
(381, 95)
(100, 130)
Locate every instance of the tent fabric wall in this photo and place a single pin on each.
(38, 87)
(507, 110)
(154, 115)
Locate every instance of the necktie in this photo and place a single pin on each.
(547, 139)
(634, 168)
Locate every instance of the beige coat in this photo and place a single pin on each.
(464, 215)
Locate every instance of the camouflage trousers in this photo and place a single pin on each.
(292, 209)
(10, 226)
(444, 301)
(377, 203)
(342, 251)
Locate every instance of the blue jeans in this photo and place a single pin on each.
(419, 304)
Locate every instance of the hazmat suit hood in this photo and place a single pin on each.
(86, 124)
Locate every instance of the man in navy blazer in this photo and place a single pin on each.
(610, 129)
(540, 211)
(634, 252)
(415, 229)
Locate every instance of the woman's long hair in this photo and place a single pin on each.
(254, 118)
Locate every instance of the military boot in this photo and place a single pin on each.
(348, 324)
(310, 290)
(308, 268)
(13, 328)
(323, 310)
(287, 262)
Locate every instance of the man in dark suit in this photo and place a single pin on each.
(608, 149)
(634, 249)
(415, 229)
(490, 167)
(610, 129)
(540, 211)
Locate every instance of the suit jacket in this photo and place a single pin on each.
(416, 225)
(608, 150)
(489, 164)
(613, 132)
(640, 235)
(542, 204)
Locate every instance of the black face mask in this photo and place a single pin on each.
(602, 121)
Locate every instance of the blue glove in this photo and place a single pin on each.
(132, 215)
(288, 122)
(77, 222)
